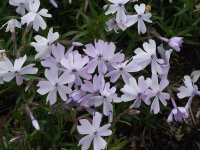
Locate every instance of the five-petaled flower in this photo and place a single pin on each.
(94, 133)
(10, 71)
(35, 16)
(55, 83)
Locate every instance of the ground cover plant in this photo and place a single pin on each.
(113, 74)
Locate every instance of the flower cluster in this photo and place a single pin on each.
(124, 20)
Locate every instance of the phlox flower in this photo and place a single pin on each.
(134, 91)
(177, 112)
(22, 5)
(112, 25)
(147, 56)
(117, 6)
(108, 95)
(54, 84)
(156, 92)
(140, 18)
(102, 55)
(93, 133)
(190, 89)
(10, 71)
(75, 64)
(123, 69)
(43, 45)
(58, 53)
(165, 55)
(34, 16)
(11, 24)
(92, 88)
(174, 42)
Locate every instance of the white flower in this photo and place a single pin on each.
(147, 56)
(156, 91)
(54, 84)
(140, 18)
(108, 95)
(188, 90)
(93, 132)
(43, 45)
(117, 6)
(22, 5)
(112, 24)
(134, 91)
(9, 71)
(11, 24)
(35, 16)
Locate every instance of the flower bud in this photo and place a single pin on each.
(176, 43)
(35, 124)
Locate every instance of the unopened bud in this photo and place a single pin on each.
(36, 124)
(77, 44)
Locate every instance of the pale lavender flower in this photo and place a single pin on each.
(22, 5)
(117, 6)
(108, 95)
(188, 90)
(10, 71)
(58, 53)
(112, 25)
(156, 92)
(54, 3)
(43, 45)
(35, 17)
(147, 56)
(179, 113)
(75, 64)
(134, 91)
(11, 24)
(140, 18)
(94, 133)
(123, 70)
(34, 121)
(54, 84)
(165, 55)
(93, 89)
(102, 55)
(174, 42)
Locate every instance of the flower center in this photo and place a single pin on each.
(16, 72)
(48, 44)
(95, 133)
(99, 57)
(74, 70)
(95, 93)
(120, 5)
(121, 69)
(56, 85)
(139, 16)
